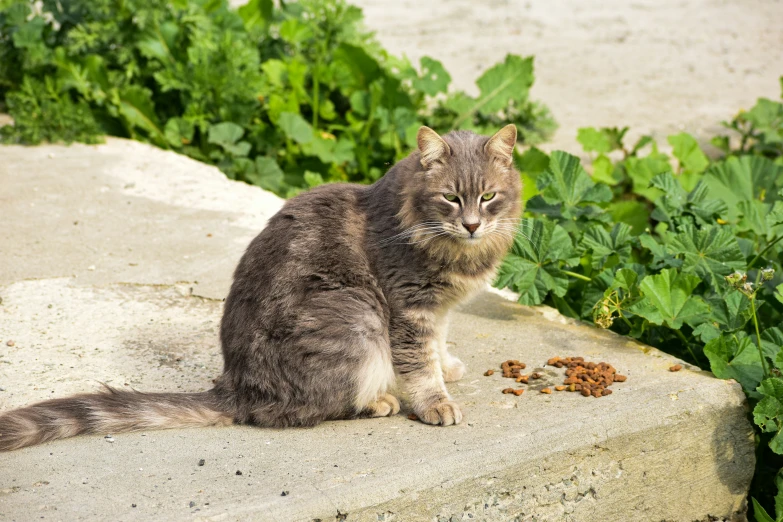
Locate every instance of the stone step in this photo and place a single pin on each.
(113, 299)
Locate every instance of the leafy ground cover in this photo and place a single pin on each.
(282, 95)
(683, 253)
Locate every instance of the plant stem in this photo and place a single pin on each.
(758, 337)
(578, 276)
(769, 245)
(687, 345)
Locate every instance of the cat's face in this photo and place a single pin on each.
(468, 193)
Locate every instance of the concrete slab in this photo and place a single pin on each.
(124, 211)
(664, 446)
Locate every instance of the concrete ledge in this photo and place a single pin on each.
(664, 446)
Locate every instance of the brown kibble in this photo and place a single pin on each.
(413, 416)
(508, 390)
(572, 388)
(536, 375)
(560, 388)
(585, 392)
(606, 392)
(619, 378)
(488, 373)
(546, 390)
(597, 393)
(523, 379)
(676, 368)
(518, 391)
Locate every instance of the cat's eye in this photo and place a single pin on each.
(450, 197)
(488, 196)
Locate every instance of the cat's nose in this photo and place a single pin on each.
(471, 227)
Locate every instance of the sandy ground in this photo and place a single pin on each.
(656, 66)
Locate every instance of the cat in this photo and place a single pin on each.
(346, 290)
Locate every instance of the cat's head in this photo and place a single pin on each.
(465, 196)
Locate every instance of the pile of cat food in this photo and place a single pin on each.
(587, 378)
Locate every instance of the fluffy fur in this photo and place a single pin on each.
(347, 288)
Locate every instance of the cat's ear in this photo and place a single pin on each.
(431, 146)
(501, 145)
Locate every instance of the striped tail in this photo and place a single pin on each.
(110, 411)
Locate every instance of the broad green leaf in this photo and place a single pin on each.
(226, 134)
(662, 258)
(510, 80)
(759, 513)
(530, 164)
(295, 32)
(706, 332)
(593, 140)
(768, 413)
(330, 150)
(361, 68)
(775, 216)
(668, 300)
(295, 127)
(633, 213)
(603, 244)
(566, 182)
(138, 110)
(268, 175)
(744, 178)
(688, 153)
(313, 179)
(734, 356)
(731, 311)
(643, 170)
(710, 252)
(532, 267)
(275, 71)
(767, 119)
(434, 78)
(179, 132)
(706, 209)
(256, 13)
(605, 172)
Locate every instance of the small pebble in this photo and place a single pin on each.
(488, 373)
(284, 493)
(201, 462)
(239, 472)
(10, 343)
(133, 505)
(191, 504)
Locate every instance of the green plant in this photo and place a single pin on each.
(286, 96)
(680, 252)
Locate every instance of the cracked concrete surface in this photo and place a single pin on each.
(115, 259)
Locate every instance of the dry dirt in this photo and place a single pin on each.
(656, 66)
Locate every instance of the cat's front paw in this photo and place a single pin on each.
(444, 413)
(453, 370)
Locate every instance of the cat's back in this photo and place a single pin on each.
(316, 238)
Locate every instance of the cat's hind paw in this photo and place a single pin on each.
(385, 406)
(444, 413)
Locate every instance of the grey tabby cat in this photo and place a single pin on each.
(345, 289)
